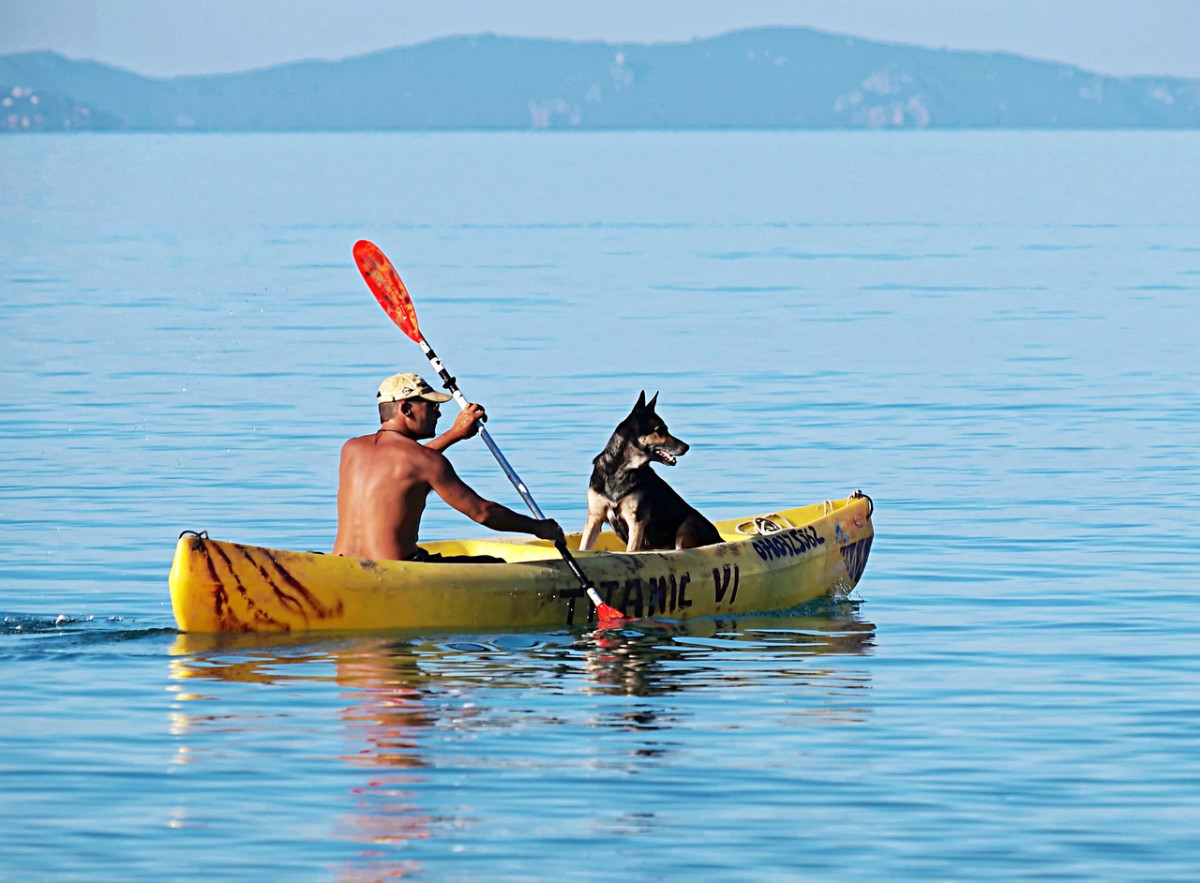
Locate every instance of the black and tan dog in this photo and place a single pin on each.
(624, 491)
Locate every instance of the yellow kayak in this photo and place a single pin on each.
(768, 562)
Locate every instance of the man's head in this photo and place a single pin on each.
(400, 392)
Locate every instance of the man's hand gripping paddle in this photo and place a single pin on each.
(389, 290)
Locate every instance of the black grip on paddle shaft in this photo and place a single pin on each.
(449, 382)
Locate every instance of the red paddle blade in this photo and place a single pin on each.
(606, 614)
(385, 284)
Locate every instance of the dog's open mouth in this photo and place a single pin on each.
(664, 457)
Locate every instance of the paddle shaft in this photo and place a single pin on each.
(459, 399)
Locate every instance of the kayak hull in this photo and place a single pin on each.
(771, 562)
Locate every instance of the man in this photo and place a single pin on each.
(384, 478)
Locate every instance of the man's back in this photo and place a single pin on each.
(383, 482)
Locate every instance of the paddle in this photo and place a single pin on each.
(389, 290)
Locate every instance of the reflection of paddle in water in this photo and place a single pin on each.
(655, 658)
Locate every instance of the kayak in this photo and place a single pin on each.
(770, 562)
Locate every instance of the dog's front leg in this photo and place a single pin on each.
(637, 532)
(597, 509)
(627, 512)
(591, 530)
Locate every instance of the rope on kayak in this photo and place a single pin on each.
(761, 525)
(766, 525)
(859, 495)
(201, 535)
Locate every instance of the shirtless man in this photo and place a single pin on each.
(384, 478)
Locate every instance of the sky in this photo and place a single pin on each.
(172, 37)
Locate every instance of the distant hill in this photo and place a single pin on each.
(770, 78)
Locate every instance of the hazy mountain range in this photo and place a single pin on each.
(777, 78)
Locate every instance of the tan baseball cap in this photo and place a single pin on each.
(400, 387)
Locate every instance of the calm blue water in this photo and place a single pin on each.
(993, 334)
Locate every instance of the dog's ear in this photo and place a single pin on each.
(650, 404)
(641, 402)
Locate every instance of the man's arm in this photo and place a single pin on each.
(465, 425)
(462, 497)
(502, 518)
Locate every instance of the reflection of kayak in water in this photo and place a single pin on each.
(767, 563)
(404, 670)
(417, 659)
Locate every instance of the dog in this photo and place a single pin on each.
(644, 511)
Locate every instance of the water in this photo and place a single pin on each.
(993, 334)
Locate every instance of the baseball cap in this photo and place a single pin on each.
(400, 387)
